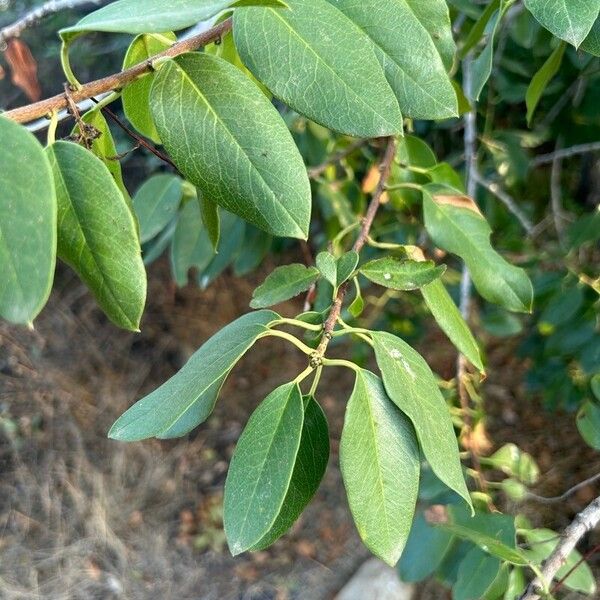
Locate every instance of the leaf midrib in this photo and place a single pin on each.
(243, 152)
(105, 283)
(322, 60)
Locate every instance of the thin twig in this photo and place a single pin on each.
(567, 494)
(585, 521)
(140, 141)
(506, 199)
(546, 159)
(555, 195)
(28, 113)
(568, 574)
(336, 309)
(33, 17)
(314, 172)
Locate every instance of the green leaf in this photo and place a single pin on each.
(591, 43)
(191, 244)
(478, 29)
(379, 458)
(542, 78)
(481, 66)
(476, 574)
(255, 247)
(262, 467)
(103, 146)
(402, 274)
(516, 584)
(414, 152)
(455, 224)
(570, 20)
(450, 320)
(157, 16)
(418, 78)
(284, 283)
(542, 544)
(155, 248)
(156, 203)
(97, 233)
(211, 219)
(27, 224)
(595, 385)
(346, 264)
(492, 533)
(230, 141)
(188, 398)
(588, 424)
(327, 265)
(358, 304)
(136, 95)
(230, 244)
(416, 565)
(309, 468)
(411, 385)
(323, 50)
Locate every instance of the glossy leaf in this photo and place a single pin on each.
(188, 398)
(230, 141)
(492, 533)
(136, 95)
(542, 543)
(411, 61)
(451, 322)
(324, 50)
(358, 304)
(191, 246)
(309, 468)
(103, 146)
(570, 20)
(455, 224)
(262, 467)
(327, 265)
(229, 248)
(411, 385)
(481, 66)
(416, 565)
(346, 264)
(591, 43)
(476, 574)
(27, 224)
(211, 219)
(156, 203)
(97, 233)
(379, 458)
(284, 283)
(157, 16)
(542, 78)
(401, 274)
(588, 423)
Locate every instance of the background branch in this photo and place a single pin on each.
(33, 17)
(28, 113)
(585, 521)
(546, 159)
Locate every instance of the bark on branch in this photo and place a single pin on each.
(585, 521)
(28, 113)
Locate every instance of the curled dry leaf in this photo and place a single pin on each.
(23, 68)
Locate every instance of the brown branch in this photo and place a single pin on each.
(336, 309)
(28, 113)
(565, 495)
(585, 521)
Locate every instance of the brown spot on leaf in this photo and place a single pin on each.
(458, 201)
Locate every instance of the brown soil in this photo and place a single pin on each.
(85, 517)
